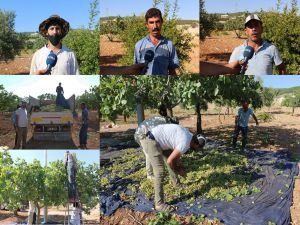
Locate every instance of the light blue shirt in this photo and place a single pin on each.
(262, 61)
(244, 117)
(165, 55)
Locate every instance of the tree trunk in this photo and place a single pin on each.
(140, 109)
(125, 118)
(38, 214)
(293, 110)
(15, 212)
(199, 121)
(170, 111)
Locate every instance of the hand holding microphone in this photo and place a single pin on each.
(51, 61)
(149, 55)
(247, 55)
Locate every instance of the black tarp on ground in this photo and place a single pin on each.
(270, 206)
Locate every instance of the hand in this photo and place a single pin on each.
(134, 69)
(40, 72)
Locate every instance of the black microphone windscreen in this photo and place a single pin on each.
(149, 55)
(248, 52)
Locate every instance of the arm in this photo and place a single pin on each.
(17, 121)
(174, 162)
(255, 118)
(122, 70)
(210, 69)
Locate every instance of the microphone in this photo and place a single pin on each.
(247, 54)
(149, 55)
(51, 61)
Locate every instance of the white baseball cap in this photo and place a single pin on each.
(252, 17)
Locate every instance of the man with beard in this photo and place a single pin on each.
(265, 53)
(165, 61)
(54, 29)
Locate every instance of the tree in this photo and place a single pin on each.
(292, 101)
(208, 22)
(8, 101)
(236, 24)
(112, 28)
(47, 96)
(10, 42)
(268, 96)
(91, 98)
(85, 43)
(282, 28)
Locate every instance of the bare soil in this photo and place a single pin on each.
(7, 135)
(19, 66)
(111, 52)
(283, 132)
(55, 214)
(218, 48)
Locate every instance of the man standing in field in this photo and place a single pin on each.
(165, 144)
(21, 125)
(54, 29)
(241, 123)
(84, 126)
(165, 61)
(265, 54)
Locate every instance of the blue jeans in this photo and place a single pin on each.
(83, 134)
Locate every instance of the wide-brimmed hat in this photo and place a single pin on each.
(54, 19)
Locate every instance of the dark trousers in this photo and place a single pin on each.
(83, 134)
(237, 131)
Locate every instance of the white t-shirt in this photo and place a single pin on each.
(22, 114)
(172, 136)
(66, 62)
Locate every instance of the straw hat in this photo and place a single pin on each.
(55, 19)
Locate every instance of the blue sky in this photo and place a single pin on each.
(280, 81)
(88, 156)
(23, 86)
(30, 13)
(188, 9)
(219, 6)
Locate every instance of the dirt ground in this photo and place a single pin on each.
(218, 48)
(111, 52)
(19, 66)
(57, 215)
(283, 133)
(7, 135)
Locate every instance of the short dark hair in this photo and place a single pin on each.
(153, 12)
(83, 103)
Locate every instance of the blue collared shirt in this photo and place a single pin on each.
(165, 55)
(262, 61)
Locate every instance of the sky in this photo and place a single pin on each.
(219, 6)
(88, 156)
(188, 9)
(30, 13)
(280, 81)
(23, 86)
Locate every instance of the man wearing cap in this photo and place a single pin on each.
(265, 53)
(165, 61)
(21, 125)
(54, 29)
(165, 144)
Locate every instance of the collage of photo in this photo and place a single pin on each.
(179, 113)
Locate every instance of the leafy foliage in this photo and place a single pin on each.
(236, 24)
(21, 182)
(265, 117)
(282, 28)
(85, 44)
(208, 22)
(112, 28)
(10, 42)
(90, 98)
(8, 101)
(292, 101)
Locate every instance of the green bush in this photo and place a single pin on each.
(10, 42)
(112, 28)
(85, 44)
(208, 22)
(164, 219)
(265, 117)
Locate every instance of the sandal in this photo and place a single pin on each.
(165, 208)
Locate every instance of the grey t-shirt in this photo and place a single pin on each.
(262, 61)
(244, 117)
